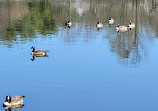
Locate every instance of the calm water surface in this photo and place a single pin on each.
(86, 69)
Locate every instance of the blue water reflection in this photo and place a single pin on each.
(86, 68)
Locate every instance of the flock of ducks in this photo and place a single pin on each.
(119, 28)
(17, 101)
(124, 28)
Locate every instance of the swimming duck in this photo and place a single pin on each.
(122, 28)
(38, 52)
(131, 25)
(68, 23)
(99, 25)
(12, 101)
(111, 21)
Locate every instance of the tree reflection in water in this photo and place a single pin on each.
(27, 19)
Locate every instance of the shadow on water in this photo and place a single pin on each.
(33, 57)
(16, 107)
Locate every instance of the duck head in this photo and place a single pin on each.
(33, 48)
(8, 99)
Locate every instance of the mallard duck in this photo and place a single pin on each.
(131, 25)
(12, 101)
(122, 28)
(38, 52)
(111, 21)
(99, 25)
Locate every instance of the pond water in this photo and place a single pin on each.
(86, 69)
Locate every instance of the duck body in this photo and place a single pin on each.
(111, 21)
(122, 28)
(99, 25)
(68, 23)
(39, 53)
(13, 101)
(131, 25)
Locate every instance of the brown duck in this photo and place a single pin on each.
(38, 53)
(12, 101)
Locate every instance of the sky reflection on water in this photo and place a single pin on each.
(86, 68)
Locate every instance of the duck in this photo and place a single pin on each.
(111, 21)
(131, 25)
(40, 53)
(68, 23)
(122, 28)
(12, 101)
(99, 25)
